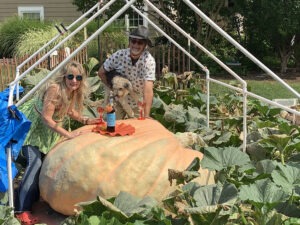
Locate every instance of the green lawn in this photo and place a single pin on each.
(266, 88)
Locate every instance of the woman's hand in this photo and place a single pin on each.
(73, 134)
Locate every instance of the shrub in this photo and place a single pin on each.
(12, 29)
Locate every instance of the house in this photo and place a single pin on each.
(55, 10)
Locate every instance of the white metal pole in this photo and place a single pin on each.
(207, 98)
(65, 39)
(10, 180)
(245, 105)
(189, 46)
(145, 22)
(12, 85)
(268, 101)
(169, 38)
(46, 45)
(188, 36)
(93, 36)
(127, 22)
(205, 69)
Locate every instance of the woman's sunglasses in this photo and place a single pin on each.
(137, 41)
(71, 77)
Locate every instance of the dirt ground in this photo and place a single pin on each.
(46, 214)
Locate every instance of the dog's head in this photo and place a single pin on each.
(121, 86)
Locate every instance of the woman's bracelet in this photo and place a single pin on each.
(85, 120)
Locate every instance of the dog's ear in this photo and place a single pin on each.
(127, 85)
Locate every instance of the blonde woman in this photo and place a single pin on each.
(60, 98)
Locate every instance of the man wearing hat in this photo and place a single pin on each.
(137, 65)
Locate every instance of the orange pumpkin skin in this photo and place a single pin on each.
(89, 165)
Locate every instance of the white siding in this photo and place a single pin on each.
(57, 10)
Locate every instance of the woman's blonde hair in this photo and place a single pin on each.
(77, 97)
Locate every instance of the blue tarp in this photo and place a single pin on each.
(14, 127)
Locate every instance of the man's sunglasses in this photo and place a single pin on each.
(137, 41)
(71, 77)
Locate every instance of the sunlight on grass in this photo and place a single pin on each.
(265, 88)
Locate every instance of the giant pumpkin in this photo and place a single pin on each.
(92, 164)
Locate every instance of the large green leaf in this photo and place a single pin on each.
(159, 103)
(222, 158)
(212, 196)
(263, 192)
(256, 151)
(289, 129)
(293, 145)
(94, 83)
(196, 120)
(175, 114)
(203, 203)
(99, 206)
(289, 209)
(90, 64)
(35, 76)
(209, 134)
(212, 203)
(278, 141)
(224, 138)
(266, 166)
(132, 205)
(124, 208)
(288, 177)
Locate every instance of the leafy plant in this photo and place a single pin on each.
(6, 216)
(12, 30)
(260, 186)
(123, 209)
(264, 195)
(211, 204)
(34, 39)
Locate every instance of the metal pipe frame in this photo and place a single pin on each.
(104, 26)
(204, 68)
(239, 47)
(47, 44)
(107, 23)
(93, 36)
(12, 84)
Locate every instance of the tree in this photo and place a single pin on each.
(269, 26)
(193, 24)
(84, 5)
(273, 23)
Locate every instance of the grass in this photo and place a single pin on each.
(269, 89)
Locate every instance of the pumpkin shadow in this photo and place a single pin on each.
(46, 214)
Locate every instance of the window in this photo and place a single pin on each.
(31, 12)
(135, 20)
